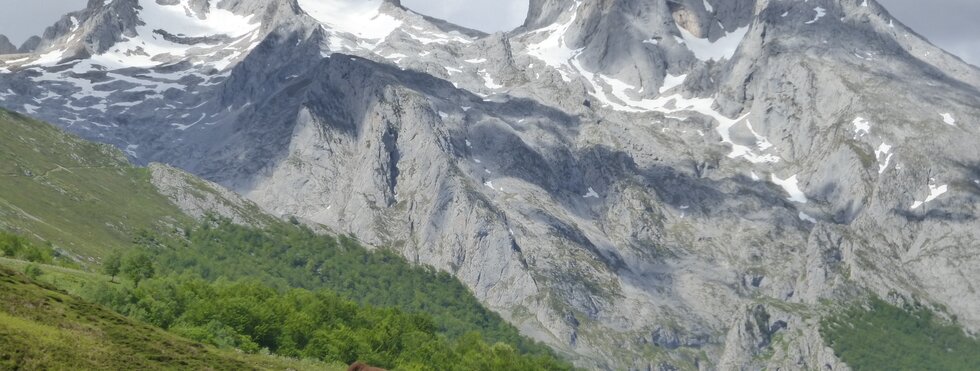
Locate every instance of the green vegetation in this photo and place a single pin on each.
(289, 256)
(881, 336)
(14, 246)
(138, 267)
(250, 316)
(112, 265)
(42, 328)
(80, 196)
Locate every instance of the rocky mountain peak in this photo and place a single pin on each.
(6, 47)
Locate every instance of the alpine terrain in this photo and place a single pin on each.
(640, 184)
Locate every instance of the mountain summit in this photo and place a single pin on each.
(640, 184)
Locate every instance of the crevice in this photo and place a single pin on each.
(390, 141)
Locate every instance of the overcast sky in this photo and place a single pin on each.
(951, 24)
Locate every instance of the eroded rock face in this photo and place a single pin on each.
(199, 198)
(635, 195)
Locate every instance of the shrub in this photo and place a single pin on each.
(33, 271)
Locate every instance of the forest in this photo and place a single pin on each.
(287, 291)
(298, 323)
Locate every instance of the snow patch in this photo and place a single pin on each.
(806, 218)
(488, 81)
(760, 141)
(553, 50)
(884, 156)
(821, 12)
(706, 50)
(671, 81)
(618, 99)
(361, 18)
(591, 194)
(149, 48)
(934, 193)
(948, 119)
(792, 187)
(861, 127)
(438, 38)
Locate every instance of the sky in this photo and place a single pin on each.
(951, 24)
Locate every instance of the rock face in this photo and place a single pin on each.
(640, 184)
(198, 197)
(6, 47)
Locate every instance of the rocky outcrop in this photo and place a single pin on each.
(199, 198)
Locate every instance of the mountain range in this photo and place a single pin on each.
(643, 184)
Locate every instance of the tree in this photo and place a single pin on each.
(138, 267)
(112, 265)
(10, 245)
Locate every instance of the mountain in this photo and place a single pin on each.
(6, 47)
(81, 205)
(89, 200)
(642, 184)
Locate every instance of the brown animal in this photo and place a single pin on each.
(358, 366)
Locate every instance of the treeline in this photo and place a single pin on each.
(881, 336)
(292, 256)
(17, 247)
(252, 316)
(287, 290)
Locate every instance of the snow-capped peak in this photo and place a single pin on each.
(168, 32)
(361, 18)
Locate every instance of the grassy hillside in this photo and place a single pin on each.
(82, 204)
(43, 328)
(881, 336)
(80, 196)
(246, 315)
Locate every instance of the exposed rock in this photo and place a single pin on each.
(199, 198)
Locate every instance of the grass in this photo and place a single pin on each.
(70, 280)
(80, 196)
(43, 328)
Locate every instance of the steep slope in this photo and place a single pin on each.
(215, 234)
(84, 197)
(640, 183)
(41, 327)
(87, 199)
